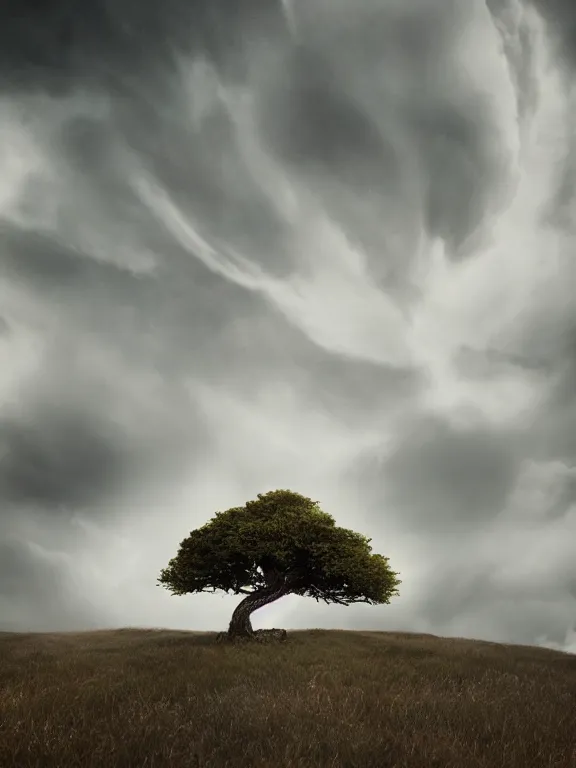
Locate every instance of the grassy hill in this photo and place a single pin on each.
(152, 698)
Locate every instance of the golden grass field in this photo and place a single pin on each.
(151, 698)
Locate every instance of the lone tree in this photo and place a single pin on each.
(280, 544)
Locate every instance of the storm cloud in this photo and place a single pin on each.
(308, 244)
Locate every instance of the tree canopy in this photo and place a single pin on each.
(280, 543)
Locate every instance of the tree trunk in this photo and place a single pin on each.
(240, 624)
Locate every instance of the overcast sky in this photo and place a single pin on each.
(315, 244)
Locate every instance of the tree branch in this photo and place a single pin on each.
(321, 594)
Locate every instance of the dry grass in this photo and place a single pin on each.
(151, 698)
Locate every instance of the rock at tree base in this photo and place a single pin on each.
(259, 636)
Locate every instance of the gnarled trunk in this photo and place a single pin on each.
(240, 624)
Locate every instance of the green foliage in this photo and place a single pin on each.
(281, 538)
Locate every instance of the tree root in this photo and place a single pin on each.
(262, 636)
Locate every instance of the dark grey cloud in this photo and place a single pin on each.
(38, 260)
(320, 245)
(561, 17)
(57, 459)
(57, 45)
(440, 479)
